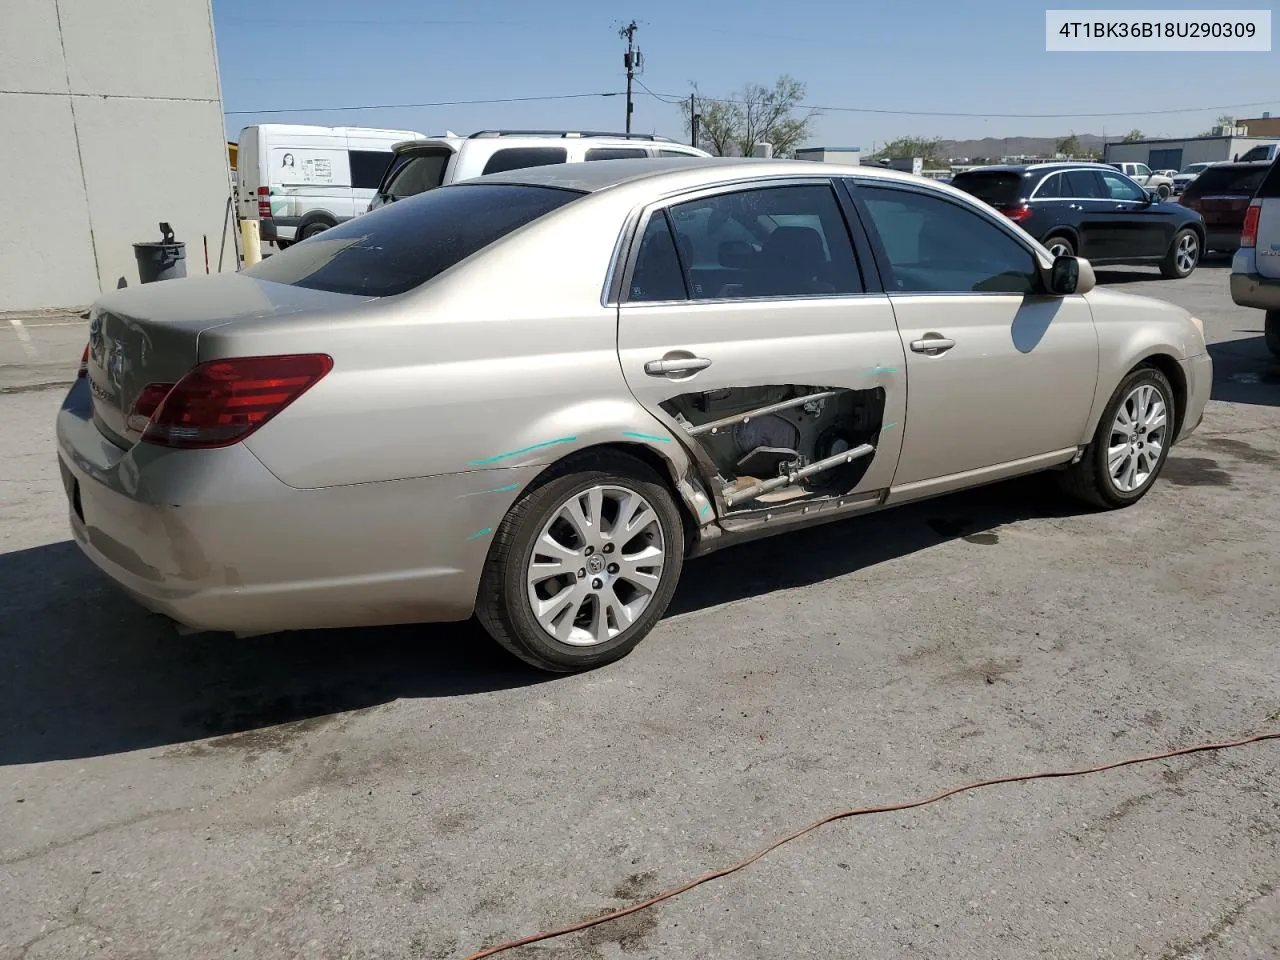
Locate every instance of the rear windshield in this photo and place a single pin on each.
(417, 173)
(403, 245)
(1234, 181)
(998, 188)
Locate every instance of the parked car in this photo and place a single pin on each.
(1263, 151)
(1255, 269)
(533, 395)
(1221, 196)
(299, 180)
(1187, 174)
(1141, 174)
(429, 163)
(1093, 211)
(1170, 173)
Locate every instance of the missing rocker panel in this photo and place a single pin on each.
(775, 445)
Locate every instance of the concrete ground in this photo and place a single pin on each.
(414, 793)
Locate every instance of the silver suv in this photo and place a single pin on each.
(1255, 269)
(421, 165)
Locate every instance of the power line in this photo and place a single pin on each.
(311, 22)
(1000, 116)
(409, 106)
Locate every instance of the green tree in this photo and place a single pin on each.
(1069, 145)
(928, 149)
(731, 126)
(1133, 136)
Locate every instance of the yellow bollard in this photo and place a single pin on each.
(250, 242)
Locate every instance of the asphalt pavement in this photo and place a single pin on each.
(413, 792)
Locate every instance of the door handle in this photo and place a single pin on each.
(676, 366)
(932, 345)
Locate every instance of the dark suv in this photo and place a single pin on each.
(1221, 195)
(1094, 211)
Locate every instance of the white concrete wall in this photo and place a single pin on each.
(1209, 150)
(112, 122)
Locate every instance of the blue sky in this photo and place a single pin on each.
(933, 55)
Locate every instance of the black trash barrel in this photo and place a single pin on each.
(161, 260)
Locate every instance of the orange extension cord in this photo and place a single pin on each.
(857, 812)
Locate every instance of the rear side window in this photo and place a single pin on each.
(997, 188)
(675, 153)
(403, 245)
(1235, 181)
(517, 158)
(367, 168)
(1050, 188)
(418, 174)
(616, 153)
(657, 275)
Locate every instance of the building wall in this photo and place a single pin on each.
(1194, 149)
(112, 121)
(1262, 126)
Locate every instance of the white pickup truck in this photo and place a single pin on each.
(1142, 174)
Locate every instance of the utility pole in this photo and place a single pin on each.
(632, 61)
(693, 120)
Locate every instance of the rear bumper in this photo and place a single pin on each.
(1248, 287)
(1198, 373)
(1225, 241)
(214, 541)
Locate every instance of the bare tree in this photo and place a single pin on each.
(754, 114)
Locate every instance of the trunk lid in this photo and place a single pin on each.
(150, 334)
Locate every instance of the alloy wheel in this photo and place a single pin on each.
(1058, 248)
(596, 565)
(1137, 440)
(1187, 254)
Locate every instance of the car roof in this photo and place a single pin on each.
(515, 141)
(693, 172)
(1025, 168)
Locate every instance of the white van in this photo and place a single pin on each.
(298, 180)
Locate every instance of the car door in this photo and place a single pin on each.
(1138, 227)
(798, 317)
(1000, 377)
(1090, 206)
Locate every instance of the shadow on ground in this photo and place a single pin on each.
(1245, 371)
(87, 672)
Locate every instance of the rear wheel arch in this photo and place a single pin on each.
(1068, 233)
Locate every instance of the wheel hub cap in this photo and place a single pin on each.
(1137, 438)
(596, 565)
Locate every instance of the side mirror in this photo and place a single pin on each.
(1153, 196)
(1069, 275)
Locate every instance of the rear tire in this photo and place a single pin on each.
(1183, 255)
(1140, 415)
(311, 229)
(1271, 331)
(1060, 246)
(591, 610)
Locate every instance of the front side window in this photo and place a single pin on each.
(786, 241)
(936, 246)
(518, 158)
(403, 245)
(1122, 188)
(1143, 170)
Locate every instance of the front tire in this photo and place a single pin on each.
(1271, 331)
(1183, 255)
(583, 567)
(1130, 446)
(1164, 191)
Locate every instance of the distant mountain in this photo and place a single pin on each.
(995, 148)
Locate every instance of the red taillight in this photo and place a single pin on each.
(264, 203)
(1017, 214)
(84, 364)
(1249, 233)
(147, 403)
(223, 401)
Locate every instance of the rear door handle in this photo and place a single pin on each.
(676, 366)
(932, 345)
